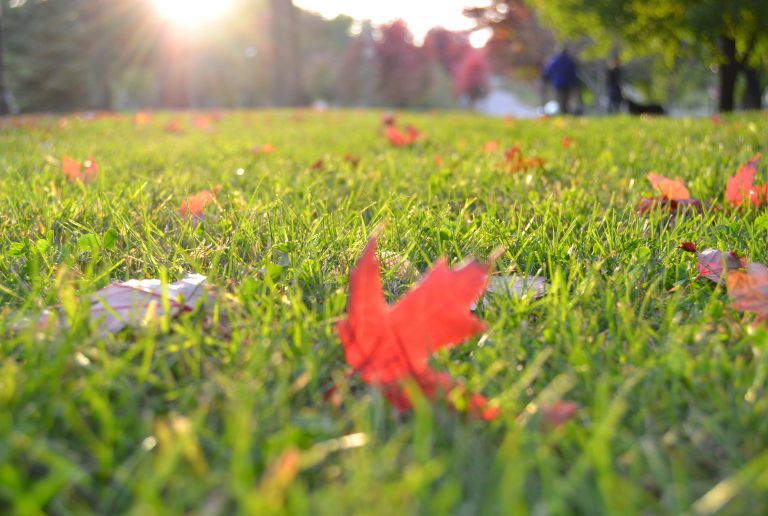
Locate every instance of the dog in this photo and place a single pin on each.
(644, 109)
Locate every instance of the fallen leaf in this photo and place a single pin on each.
(558, 413)
(142, 118)
(515, 161)
(318, 165)
(675, 197)
(741, 187)
(267, 148)
(388, 120)
(491, 146)
(398, 138)
(671, 189)
(714, 264)
(194, 205)
(121, 304)
(174, 126)
(689, 247)
(387, 345)
(75, 171)
(749, 290)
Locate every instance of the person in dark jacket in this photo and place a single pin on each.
(613, 81)
(560, 72)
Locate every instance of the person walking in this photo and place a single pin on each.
(560, 72)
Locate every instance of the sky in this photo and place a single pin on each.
(420, 15)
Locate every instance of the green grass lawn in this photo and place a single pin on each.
(182, 416)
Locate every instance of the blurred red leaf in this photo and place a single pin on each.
(174, 126)
(388, 120)
(318, 165)
(713, 264)
(515, 161)
(749, 290)
(402, 139)
(194, 205)
(142, 118)
(689, 247)
(567, 142)
(75, 171)
(491, 146)
(438, 160)
(741, 187)
(558, 413)
(267, 148)
(387, 345)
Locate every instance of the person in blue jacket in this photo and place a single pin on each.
(560, 72)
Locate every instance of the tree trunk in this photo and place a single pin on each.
(286, 75)
(728, 72)
(753, 95)
(5, 107)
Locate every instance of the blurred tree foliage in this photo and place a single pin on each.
(732, 35)
(103, 54)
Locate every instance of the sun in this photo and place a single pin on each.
(192, 13)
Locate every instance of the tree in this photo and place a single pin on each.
(518, 42)
(5, 105)
(732, 34)
(286, 68)
(404, 71)
(472, 76)
(47, 68)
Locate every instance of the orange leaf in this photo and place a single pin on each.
(194, 205)
(267, 148)
(142, 118)
(671, 189)
(749, 290)
(741, 186)
(71, 168)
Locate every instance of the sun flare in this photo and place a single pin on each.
(192, 13)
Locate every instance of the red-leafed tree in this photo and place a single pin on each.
(446, 47)
(404, 72)
(472, 75)
(518, 42)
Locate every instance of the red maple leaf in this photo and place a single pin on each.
(387, 345)
(741, 187)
